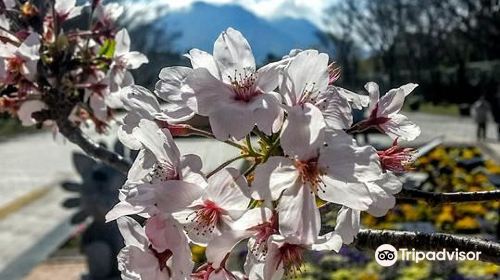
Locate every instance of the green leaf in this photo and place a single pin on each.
(108, 48)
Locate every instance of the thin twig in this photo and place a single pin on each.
(432, 198)
(226, 163)
(371, 239)
(200, 132)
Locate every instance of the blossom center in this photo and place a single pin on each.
(14, 66)
(205, 272)
(310, 173)
(163, 171)
(162, 258)
(262, 233)
(206, 218)
(309, 94)
(244, 86)
(375, 120)
(290, 255)
(396, 158)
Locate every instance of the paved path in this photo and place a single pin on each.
(458, 130)
(30, 235)
(455, 129)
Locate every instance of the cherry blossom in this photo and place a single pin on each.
(123, 60)
(231, 92)
(313, 103)
(108, 14)
(396, 158)
(303, 156)
(286, 257)
(223, 201)
(158, 252)
(384, 112)
(159, 159)
(172, 88)
(19, 62)
(140, 104)
(297, 181)
(158, 170)
(258, 224)
(67, 9)
(304, 78)
(336, 105)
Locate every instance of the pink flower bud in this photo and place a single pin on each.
(176, 129)
(397, 158)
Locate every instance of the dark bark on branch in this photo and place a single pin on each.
(432, 198)
(75, 135)
(371, 239)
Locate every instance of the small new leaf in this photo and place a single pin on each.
(108, 48)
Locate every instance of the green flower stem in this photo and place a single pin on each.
(200, 132)
(226, 163)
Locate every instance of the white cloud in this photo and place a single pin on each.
(307, 9)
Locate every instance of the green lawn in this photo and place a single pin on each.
(10, 127)
(441, 109)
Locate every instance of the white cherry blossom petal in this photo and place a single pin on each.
(122, 39)
(228, 189)
(158, 141)
(348, 224)
(299, 218)
(308, 72)
(202, 59)
(220, 246)
(351, 194)
(132, 232)
(233, 119)
(135, 59)
(273, 177)
(27, 109)
(303, 131)
(400, 127)
(331, 241)
(233, 53)
(391, 102)
(210, 92)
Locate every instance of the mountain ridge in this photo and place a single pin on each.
(199, 25)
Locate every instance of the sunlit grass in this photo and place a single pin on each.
(437, 109)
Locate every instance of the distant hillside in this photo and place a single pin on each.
(199, 25)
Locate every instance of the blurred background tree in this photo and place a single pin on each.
(449, 47)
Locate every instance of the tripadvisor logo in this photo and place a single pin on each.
(388, 255)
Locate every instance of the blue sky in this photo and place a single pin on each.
(311, 10)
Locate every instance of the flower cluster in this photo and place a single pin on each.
(51, 70)
(305, 158)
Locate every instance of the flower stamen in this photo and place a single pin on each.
(243, 85)
(205, 218)
(311, 173)
(291, 257)
(162, 172)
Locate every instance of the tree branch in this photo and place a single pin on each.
(371, 239)
(432, 198)
(75, 135)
